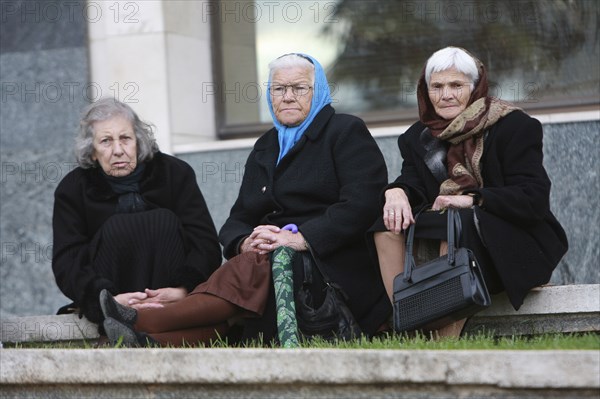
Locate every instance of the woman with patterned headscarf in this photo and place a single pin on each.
(315, 169)
(483, 156)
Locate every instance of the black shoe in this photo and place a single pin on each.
(127, 336)
(116, 331)
(113, 309)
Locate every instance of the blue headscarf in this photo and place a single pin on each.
(288, 136)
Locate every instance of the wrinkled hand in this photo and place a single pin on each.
(452, 201)
(158, 298)
(397, 213)
(267, 238)
(126, 297)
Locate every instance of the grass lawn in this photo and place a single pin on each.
(585, 341)
(588, 341)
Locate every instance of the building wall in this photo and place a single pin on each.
(44, 86)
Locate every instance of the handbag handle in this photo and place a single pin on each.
(453, 234)
(308, 268)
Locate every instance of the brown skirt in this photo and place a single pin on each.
(243, 280)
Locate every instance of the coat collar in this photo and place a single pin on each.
(319, 123)
(433, 151)
(434, 155)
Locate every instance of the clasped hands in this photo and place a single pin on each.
(267, 238)
(151, 298)
(397, 212)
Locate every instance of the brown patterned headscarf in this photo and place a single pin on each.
(465, 132)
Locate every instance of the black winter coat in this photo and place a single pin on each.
(84, 201)
(524, 239)
(328, 184)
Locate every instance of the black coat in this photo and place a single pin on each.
(523, 238)
(84, 201)
(328, 185)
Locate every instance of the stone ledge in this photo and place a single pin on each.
(549, 309)
(67, 327)
(498, 368)
(550, 299)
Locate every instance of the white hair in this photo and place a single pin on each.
(291, 61)
(452, 57)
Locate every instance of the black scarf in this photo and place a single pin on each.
(128, 189)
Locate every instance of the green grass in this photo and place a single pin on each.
(585, 341)
(588, 341)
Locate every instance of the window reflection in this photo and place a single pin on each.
(540, 53)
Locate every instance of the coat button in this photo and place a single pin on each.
(263, 189)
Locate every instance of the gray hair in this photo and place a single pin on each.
(452, 57)
(291, 61)
(106, 109)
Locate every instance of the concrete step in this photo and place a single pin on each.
(57, 328)
(548, 309)
(297, 373)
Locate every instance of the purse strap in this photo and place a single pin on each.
(308, 260)
(453, 233)
(307, 269)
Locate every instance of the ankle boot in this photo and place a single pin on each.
(130, 338)
(113, 309)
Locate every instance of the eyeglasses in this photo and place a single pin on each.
(297, 90)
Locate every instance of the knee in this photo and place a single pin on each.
(387, 236)
(388, 243)
(165, 216)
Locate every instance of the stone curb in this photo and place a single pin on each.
(558, 299)
(65, 327)
(503, 369)
(549, 309)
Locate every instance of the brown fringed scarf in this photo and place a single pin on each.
(464, 133)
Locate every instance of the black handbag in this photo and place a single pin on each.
(332, 319)
(440, 291)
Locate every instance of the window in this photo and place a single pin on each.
(539, 54)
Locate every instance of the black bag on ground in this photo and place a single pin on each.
(331, 319)
(440, 291)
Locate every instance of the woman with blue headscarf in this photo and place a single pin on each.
(315, 169)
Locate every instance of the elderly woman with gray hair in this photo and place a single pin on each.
(482, 156)
(129, 219)
(316, 169)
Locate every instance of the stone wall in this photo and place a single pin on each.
(44, 80)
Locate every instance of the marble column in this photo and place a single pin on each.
(44, 85)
